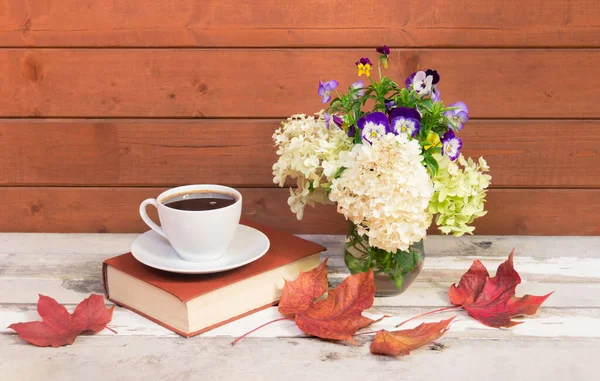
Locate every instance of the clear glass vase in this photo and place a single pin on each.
(394, 272)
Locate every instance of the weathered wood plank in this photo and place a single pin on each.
(565, 331)
(428, 291)
(53, 249)
(513, 83)
(69, 264)
(70, 268)
(303, 23)
(296, 359)
(86, 267)
(125, 152)
(511, 211)
(548, 322)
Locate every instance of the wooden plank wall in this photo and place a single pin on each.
(105, 103)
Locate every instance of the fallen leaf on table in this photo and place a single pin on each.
(299, 295)
(336, 317)
(58, 327)
(339, 316)
(400, 343)
(492, 301)
(92, 315)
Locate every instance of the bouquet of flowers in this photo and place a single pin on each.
(389, 156)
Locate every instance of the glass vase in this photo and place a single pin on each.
(394, 271)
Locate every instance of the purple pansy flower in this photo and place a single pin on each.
(409, 80)
(383, 50)
(364, 61)
(385, 54)
(457, 117)
(435, 94)
(434, 75)
(405, 120)
(325, 89)
(351, 131)
(338, 121)
(327, 118)
(422, 83)
(359, 87)
(451, 145)
(390, 104)
(373, 126)
(419, 82)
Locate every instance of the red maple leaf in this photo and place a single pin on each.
(91, 315)
(58, 327)
(297, 296)
(400, 343)
(492, 301)
(336, 317)
(339, 316)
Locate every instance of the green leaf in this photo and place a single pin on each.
(406, 261)
(431, 164)
(427, 104)
(335, 101)
(338, 173)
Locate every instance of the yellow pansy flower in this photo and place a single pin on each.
(433, 139)
(364, 67)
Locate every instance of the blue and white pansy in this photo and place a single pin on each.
(422, 82)
(459, 116)
(405, 120)
(451, 145)
(373, 126)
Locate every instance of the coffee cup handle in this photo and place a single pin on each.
(147, 219)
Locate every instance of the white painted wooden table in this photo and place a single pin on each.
(562, 342)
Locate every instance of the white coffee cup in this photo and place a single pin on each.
(196, 235)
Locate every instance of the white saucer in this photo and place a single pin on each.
(153, 250)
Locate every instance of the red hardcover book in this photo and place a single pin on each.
(192, 304)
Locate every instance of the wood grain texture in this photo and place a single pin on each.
(66, 252)
(160, 358)
(273, 23)
(57, 209)
(509, 83)
(66, 266)
(548, 154)
(564, 323)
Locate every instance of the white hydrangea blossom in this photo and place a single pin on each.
(310, 153)
(385, 190)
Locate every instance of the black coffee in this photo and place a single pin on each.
(199, 201)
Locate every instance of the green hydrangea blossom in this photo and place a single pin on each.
(459, 194)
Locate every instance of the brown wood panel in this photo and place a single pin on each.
(496, 83)
(276, 23)
(519, 212)
(136, 152)
(526, 154)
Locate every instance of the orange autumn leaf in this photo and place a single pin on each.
(492, 301)
(336, 317)
(298, 296)
(400, 343)
(339, 316)
(58, 327)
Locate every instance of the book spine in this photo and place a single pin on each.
(105, 280)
